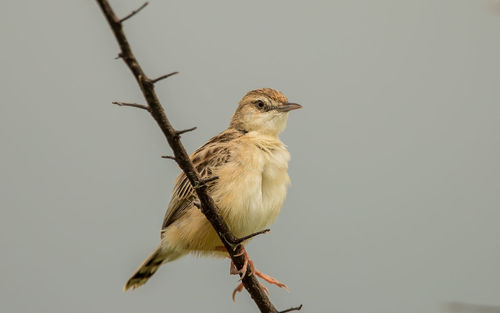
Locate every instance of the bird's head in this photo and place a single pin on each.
(263, 110)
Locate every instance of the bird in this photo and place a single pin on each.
(250, 163)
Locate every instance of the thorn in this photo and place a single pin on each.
(154, 81)
(133, 12)
(119, 56)
(169, 157)
(297, 308)
(178, 133)
(197, 204)
(210, 179)
(203, 182)
(237, 241)
(135, 105)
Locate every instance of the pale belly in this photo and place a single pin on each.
(260, 203)
(253, 199)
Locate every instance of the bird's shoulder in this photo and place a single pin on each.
(216, 151)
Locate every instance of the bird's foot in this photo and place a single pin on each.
(234, 271)
(242, 272)
(271, 280)
(249, 265)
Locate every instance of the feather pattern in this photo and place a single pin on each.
(206, 160)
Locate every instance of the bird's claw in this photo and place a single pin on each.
(248, 264)
(242, 272)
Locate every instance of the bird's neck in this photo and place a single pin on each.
(256, 133)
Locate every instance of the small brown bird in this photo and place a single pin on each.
(251, 164)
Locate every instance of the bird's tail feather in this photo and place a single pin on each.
(162, 254)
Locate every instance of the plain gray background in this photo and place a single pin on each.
(394, 203)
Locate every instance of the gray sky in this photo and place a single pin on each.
(394, 203)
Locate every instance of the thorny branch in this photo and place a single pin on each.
(206, 203)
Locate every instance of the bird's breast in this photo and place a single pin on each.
(252, 186)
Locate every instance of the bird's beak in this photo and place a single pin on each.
(287, 106)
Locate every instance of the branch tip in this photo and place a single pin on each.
(237, 241)
(154, 81)
(134, 105)
(297, 308)
(178, 133)
(133, 12)
(169, 157)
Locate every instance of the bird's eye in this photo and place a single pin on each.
(259, 103)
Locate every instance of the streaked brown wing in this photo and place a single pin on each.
(215, 153)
